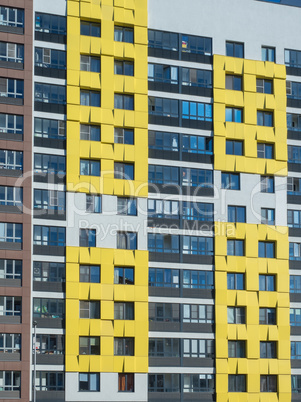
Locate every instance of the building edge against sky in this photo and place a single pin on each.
(157, 145)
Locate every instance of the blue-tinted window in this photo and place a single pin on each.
(234, 115)
(198, 245)
(49, 236)
(49, 23)
(124, 34)
(198, 279)
(235, 49)
(264, 118)
(89, 98)
(266, 249)
(234, 82)
(162, 243)
(236, 213)
(235, 281)
(50, 93)
(267, 283)
(124, 171)
(127, 240)
(89, 167)
(197, 111)
(231, 181)
(87, 238)
(267, 184)
(163, 107)
(196, 45)
(164, 277)
(235, 247)
(234, 147)
(89, 273)
(90, 29)
(124, 275)
(268, 216)
(268, 53)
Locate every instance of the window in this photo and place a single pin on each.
(200, 211)
(264, 86)
(50, 58)
(234, 82)
(198, 279)
(237, 383)
(163, 141)
(123, 311)
(293, 121)
(50, 24)
(196, 78)
(123, 34)
(295, 251)
(87, 237)
(89, 273)
(163, 107)
(268, 54)
(11, 52)
(234, 115)
(89, 63)
(124, 67)
(267, 316)
(295, 284)
(198, 383)
(296, 383)
(268, 216)
(47, 93)
(89, 98)
(264, 118)
(89, 167)
(11, 123)
(293, 90)
(10, 232)
(50, 344)
(161, 243)
(294, 154)
(164, 277)
(90, 29)
(127, 240)
(163, 73)
(123, 136)
(164, 383)
(164, 347)
(196, 44)
(10, 269)
(49, 236)
(234, 147)
(49, 271)
(46, 128)
(197, 111)
(295, 350)
(50, 164)
(89, 132)
(89, 382)
(268, 350)
(11, 160)
(235, 247)
(50, 381)
(236, 315)
(50, 200)
(267, 282)
(10, 380)
(125, 102)
(163, 174)
(197, 144)
(89, 345)
(125, 382)
(89, 309)
(292, 58)
(231, 181)
(235, 281)
(126, 206)
(197, 245)
(11, 196)
(266, 249)
(10, 305)
(10, 343)
(198, 313)
(268, 383)
(163, 209)
(163, 40)
(124, 275)
(93, 203)
(167, 312)
(295, 317)
(123, 346)
(236, 213)
(235, 49)
(237, 349)
(293, 185)
(197, 177)
(49, 308)
(267, 184)
(265, 151)
(124, 171)
(12, 17)
(200, 348)
(10, 88)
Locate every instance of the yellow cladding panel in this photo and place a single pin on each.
(107, 327)
(252, 299)
(250, 102)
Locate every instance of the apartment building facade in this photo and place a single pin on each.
(150, 200)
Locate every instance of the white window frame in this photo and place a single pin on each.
(14, 155)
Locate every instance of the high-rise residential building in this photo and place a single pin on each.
(150, 200)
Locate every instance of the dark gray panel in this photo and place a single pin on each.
(49, 107)
(206, 328)
(49, 214)
(164, 257)
(166, 396)
(10, 357)
(163, 120)
(198, 293)
(14, 30)
(197, 362)
(11, 137)
(296, 363)
(294, 167)
(11, 283)
(164, 326)
(49, 250)
(164, 222)
(51, 396)
(8, 319)
(295, 232)
(293, 71)
(48, 286)
(165, 292)
(49, 178)
(199, 91)
(49, 322)
(50, 72)
(203, 125)
(49, 37)
(163, 54)
(198, 396)
(163, 87)
(164, 188)
(198, 259)
(10, 172)
(10, 395)
(164, 361)
(11, 64)
(198, 191)
(293, 135)
(293, 199)
(199, 58)
(190, 157)
(293, 102)
(50, 359)
(161, 154)
(295, 297)
(10, 246)
(49, 143)
(11, 101)
(295, 264)
(10, 209)
(296, 397)
(295, 330)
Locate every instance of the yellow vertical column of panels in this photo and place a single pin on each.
(107, 12)
(248, 132)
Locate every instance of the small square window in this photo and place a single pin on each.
(234, 82)
(235, 49)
